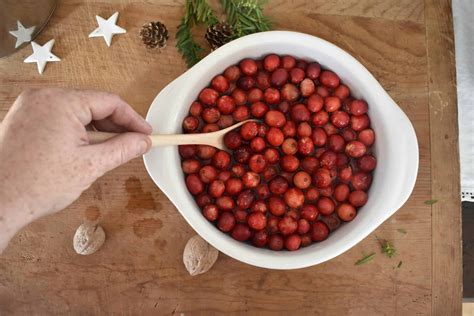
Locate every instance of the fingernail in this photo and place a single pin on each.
(143, 146)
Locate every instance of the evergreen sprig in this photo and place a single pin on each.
(196, 12)
(246, 16)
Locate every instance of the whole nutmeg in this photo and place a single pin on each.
(199, 256)
(89, 237)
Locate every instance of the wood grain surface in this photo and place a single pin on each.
(406, 44)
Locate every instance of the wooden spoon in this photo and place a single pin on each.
(214, 139)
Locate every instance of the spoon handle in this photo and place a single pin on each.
(162, 140)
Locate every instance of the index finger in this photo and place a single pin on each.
(97, 105)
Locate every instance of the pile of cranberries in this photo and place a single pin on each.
(294, 175)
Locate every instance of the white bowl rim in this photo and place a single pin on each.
(243, 252)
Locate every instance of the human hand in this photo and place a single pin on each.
(46, 159)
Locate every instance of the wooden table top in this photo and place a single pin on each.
(406, 44)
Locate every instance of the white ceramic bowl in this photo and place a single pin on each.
(396, 146)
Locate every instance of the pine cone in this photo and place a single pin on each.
(219, 34)
(154, 34)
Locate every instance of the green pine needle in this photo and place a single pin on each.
(402, 231)
(430, 202)
(387, 248)
(365, 259)
(246, 16)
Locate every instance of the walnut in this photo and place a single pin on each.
(199, 256)
(89, 237)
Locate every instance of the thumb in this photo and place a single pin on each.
(119, 150)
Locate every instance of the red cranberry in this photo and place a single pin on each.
(238, 170)
(262, 191)
(275, 242)
(251, 179)
(208, 96)
(310, 164)
(302, 180)
(257, 220)
(239, 96)
(328, 159)
(226, 104)
(245, 199)
(240, 215)
(249, 130)
(342, 92)
(258, 109)
(246, 83)
(241, 113)
(289, 146)
(319, 231)
(355, 149)
(224, 175)
(271, 96)
(312, 194)
(315, 103)
(330, 129)
(327, 191)
(210, 212)
(216, 188)
(313, 70)
(242, 154)
(358, 198)
(329, 79)
(332, 104)
(203, 200)
(349, 134)
(303, 226)
(255, 95)
(322, 178)
(262, 130)
(358, 107)
(279, 77)
(361, 181)
(190, 166)
(309, 212)
(240, 232)
(300, 113)
(232, 73)
(293, 242)
(342, 160)
(345, 174)
(288, 62)
(346, 212)
(289, 163)
(187, 151)
(211, 115)
(284, 106)
(305, 146)
(260, 238)
(205, 151)
(367, 163)
(306, 240)
(294, 197)
(289, 129)
(220, 83)
(208, 174)
(233, 186)
(232, 140)
(248, 67)
(257, 163)
(275, 137)
(225, 121)
(260, 206)
(320, 118)
(287, 225)
(341, 192)
(367, 137)
(275, 118)
(276, 205)
(209, 128)
(307, 87)
(195, 109)
(301, 64)
(190, 124)
(194, 184)
(225, 203)
(257, 144)
(359, 123)
(278, 185)
(263, 80)
(319, 137)
(336, 143)
(322, 91)
(340, 119)
(271, 155)
(290, 92)
(271, 62)
(221, 160)
(332, 221)
(226, 222)
(304, 129)
(296, 75)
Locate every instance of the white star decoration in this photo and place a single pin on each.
(22, 34)
(41, 55)
(107, 28)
